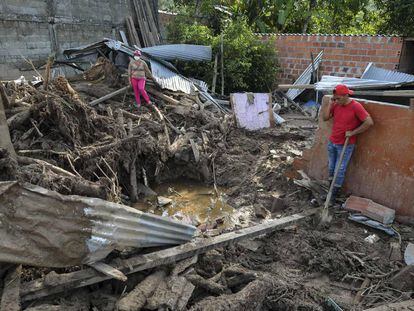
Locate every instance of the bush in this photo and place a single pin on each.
(249, 63)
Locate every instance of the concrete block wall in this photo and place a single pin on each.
(36, 28)
(344, 55)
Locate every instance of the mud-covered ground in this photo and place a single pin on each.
(105, 147)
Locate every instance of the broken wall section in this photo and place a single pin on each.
(382, 166)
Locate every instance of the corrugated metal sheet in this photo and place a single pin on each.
(123, 226)
(171, 80)
(40, 227)
(328, 83)
(305, 77)
(376, 73)
(186, 52)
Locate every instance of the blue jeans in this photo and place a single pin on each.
(334, 152)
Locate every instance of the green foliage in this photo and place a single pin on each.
(249, 64)
(398, 16)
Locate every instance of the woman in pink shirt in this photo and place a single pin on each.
(137, 72)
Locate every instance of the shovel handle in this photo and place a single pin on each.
(338, 166)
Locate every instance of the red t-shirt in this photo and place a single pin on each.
(346, 118)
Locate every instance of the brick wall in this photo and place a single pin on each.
(343, 55)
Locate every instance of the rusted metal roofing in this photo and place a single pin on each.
(40, 227)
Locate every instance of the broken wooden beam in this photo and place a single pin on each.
(10, 299)
(38, 288)
(136, 299)
(108, 96)
(296, 86)
(108, 270)
(163, 96)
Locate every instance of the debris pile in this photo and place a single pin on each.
(86, 139)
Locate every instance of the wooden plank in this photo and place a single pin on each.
(398, 306)
(38, 288)
(145, 28)
(108, 96)
(132, 31)
(296, 86)
(151, 23)
(140, 22)
(123, 37)
(10, 300)
(196, 152)
(109, 271)
(163, 96)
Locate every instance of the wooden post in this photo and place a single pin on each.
(412, 103)
(213, 85)
(49, 64)
(5, 140)
(222, 65)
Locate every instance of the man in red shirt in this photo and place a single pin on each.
(349, 119)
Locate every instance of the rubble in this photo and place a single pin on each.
(82, 143)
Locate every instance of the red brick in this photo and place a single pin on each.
(370, 209)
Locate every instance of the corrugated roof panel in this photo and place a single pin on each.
(305, 77)
(376, 73)
(66, 230)
(171, 80)
(186, 52)
(328, 83)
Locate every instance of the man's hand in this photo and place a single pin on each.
(349, 133)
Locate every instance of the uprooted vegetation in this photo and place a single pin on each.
(117, 152)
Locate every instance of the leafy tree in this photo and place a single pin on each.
(249, 64)
(397, 17)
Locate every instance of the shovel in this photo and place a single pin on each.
(325, 217)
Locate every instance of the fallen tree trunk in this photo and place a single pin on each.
(171, 292)
(37, 288)
(19, 119)
(249, 298)
(208, 285)
(136, 299)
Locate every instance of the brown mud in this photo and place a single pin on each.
(114, 149)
